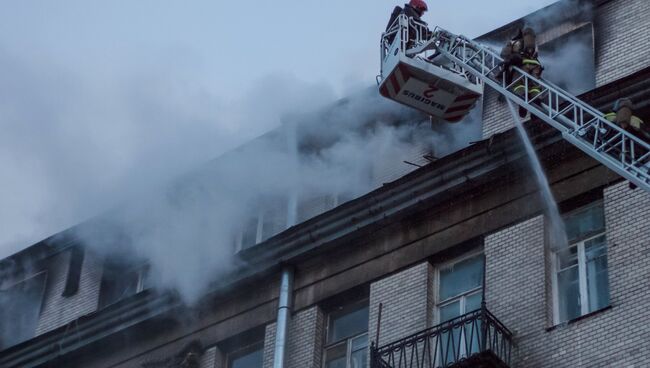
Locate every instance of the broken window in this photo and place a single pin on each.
(249, 357)
(347, 337)
(20, 308)
(121, 280)
(580, 276)
(570, 60)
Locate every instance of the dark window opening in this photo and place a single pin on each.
(120, 281)
(73, 278)
(570, 60)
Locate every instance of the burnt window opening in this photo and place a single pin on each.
(77, 255)
(20, 308)
(121, 280)
(570, 60)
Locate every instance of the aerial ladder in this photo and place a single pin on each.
(443, 75)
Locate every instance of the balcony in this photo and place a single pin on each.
(476, 339)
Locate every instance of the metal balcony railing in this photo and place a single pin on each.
(476, 339)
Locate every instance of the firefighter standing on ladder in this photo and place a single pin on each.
(623, 115)
(522, 52)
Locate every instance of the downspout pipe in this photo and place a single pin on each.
(284, 317)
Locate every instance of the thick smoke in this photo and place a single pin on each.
(72, 146)
(189, 230)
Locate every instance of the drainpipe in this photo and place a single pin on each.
(284, 317)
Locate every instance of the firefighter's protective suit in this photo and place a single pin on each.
(623, 116)
(522, 52)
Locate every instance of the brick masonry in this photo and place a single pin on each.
(58, 310)
(517, 286)
(305, 346)
(407, 303)
(622, 38)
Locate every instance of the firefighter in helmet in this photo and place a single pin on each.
(522, 52)
(414, 9)
(623, 116)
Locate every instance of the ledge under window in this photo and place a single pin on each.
(584, 316)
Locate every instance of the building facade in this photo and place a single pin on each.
(451, 264)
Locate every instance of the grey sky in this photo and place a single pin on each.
(95, 96)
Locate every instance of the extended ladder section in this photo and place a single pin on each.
(580, 124)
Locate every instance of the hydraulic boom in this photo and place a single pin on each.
(580, 124)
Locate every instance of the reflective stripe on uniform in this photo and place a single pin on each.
(636, 122)
(531, 61)
(610, 116)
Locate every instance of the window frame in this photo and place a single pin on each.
(461, 297)
(583, 287)
(141, 270)
(243, 351)
(347, 340)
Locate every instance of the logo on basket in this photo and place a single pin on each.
(428, 93)
(415, 96)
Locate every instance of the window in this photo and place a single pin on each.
(459, 292)
(575, 48)
(580, 277)
(460, 288)
(347, 337)
(20, 308)
(250, 357)
(120, 281)
(268, 217)
(314, 205)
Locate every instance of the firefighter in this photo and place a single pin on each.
(522, 52)
(415, 9)
(623, 116)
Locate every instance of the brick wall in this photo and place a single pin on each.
(517, 282)
(58, 310)
(305, 346)
(622, 39)
(515, 278)
(496, 115)
(407, 303)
